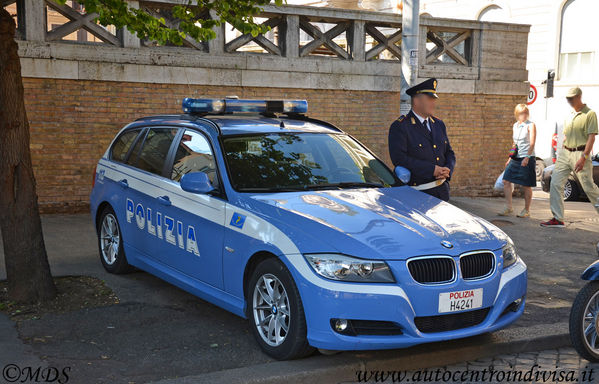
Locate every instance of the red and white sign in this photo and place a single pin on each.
(460, 300)
(532, 95)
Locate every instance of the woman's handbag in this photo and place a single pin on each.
(514, 151)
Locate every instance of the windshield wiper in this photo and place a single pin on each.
(347, 184)
(282, 189)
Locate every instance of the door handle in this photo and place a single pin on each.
(164, 200)
(123, 183)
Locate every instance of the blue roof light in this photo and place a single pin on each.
(219, 106)
(203, 105)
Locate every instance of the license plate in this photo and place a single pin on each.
(460, 300)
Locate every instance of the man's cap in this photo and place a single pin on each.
(572, 92)
(427, 87)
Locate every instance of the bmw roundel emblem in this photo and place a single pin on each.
(446, 244)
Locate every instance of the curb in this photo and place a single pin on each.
(342, 367)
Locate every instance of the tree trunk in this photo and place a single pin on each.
(27, 269)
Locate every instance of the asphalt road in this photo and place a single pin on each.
(159, 332)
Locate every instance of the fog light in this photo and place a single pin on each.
(513, 307)
(341, 325)
(518, 302)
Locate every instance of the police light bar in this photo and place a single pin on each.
(219, 106)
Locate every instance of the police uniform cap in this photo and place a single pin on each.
(427, 87)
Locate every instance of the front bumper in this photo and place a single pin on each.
(324, 300)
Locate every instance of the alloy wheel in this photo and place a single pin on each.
(270, 305)
(590, 323)
(567, 190)
(110, 239)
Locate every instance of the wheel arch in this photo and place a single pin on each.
(250, 266)
(99, 211)
(592, 272)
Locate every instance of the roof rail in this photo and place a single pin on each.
(173, 116)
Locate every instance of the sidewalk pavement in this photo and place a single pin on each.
(548, 366)
(159, 332)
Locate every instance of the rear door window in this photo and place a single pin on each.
(154, 150)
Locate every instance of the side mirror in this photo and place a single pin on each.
(403, 174)
(196, 182)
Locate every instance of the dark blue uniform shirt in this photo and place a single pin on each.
(412, 146)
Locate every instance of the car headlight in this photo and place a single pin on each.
(509, 254)
(346, 268)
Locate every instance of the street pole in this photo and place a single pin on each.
(410, 27)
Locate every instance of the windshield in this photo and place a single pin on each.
(301, 161)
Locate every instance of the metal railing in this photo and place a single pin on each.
(295, 31)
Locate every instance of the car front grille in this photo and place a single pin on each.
(432, 270)
(451, 322)
(477, 265)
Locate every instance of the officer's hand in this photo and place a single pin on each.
(437, 172)
(441, 172)
(524, 162)
(446, 172)
(579, 164)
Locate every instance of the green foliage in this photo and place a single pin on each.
(193, 18)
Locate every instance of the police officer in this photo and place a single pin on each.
(418, 141)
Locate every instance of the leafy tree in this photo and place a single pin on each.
(27, 268)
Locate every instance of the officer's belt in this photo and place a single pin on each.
(432, 184)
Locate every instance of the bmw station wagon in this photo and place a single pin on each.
(293, 224)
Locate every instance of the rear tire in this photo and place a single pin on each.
(110, 243)
(586, 304)
(539, 168)
(275, 312)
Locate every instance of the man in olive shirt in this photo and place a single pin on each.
(580, 130)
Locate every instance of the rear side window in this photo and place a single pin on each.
(122, 144)
(154, 150)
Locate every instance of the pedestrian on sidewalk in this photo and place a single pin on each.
(580, 130)
(521, 166)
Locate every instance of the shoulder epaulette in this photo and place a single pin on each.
(400, 118)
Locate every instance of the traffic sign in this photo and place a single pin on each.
(532, 95)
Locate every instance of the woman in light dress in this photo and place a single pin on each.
(521, 169)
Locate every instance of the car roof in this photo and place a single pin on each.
(243, 123)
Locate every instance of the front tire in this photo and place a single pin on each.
(110, 243)
(276, 313)
(584, 322)
(571, 191)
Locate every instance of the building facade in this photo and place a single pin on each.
(562, 40)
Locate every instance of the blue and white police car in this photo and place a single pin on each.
(291, 223)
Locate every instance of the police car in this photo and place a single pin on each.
(293, 224)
